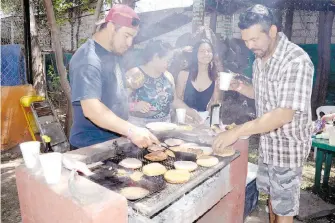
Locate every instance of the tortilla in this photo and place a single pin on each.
(156, 156)
(173, 142)
(185, 165)
(154, 169)
(169, 153)
(136, 176)
(206, 150)
(177, 176)
(229, 151)
(207, 161)
(155, 148)
(189, 144)
(178, 149)
(134, 193)
(131, 163)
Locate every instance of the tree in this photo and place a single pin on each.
(59, 60)
(213, 18)
(326, 18)
(289, 23)
(37, 61)
(96, 14)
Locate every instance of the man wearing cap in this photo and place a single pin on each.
(98, 94)
(282, 87)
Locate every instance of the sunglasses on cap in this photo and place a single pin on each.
(135, 22)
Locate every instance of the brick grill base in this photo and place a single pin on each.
(231, 207)
(42, 203)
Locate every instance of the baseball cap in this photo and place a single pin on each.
(122, 15)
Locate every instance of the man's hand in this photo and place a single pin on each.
(142, 137)
(142, 106)
(234, 84)
(224, 140)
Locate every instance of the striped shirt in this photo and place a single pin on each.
(285, 81)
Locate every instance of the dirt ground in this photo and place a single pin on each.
(10, 210)
(259, 215)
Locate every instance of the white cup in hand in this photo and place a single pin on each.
(225, 79)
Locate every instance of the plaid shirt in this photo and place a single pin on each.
(285, 81)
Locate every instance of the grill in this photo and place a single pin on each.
(162, 194)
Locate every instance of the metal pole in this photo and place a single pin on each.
(27, 42)
(12, 27)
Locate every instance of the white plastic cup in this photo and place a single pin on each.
(52, 167)
(30, 152)
(181, 115)
(331, 132)
(225, 79)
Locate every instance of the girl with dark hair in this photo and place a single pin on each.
(197, 87)
(151, 86)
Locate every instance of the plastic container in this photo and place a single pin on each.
(181, 115)
(251, 198)
(30, 152)
(251, 192)
(52, 167)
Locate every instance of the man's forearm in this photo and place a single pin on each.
(267, 123)
(246, 90)
(103, 117)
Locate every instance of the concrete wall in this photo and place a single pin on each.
(305, 25)
(304, 28)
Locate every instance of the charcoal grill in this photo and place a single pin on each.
(161, 194)
(212, 195)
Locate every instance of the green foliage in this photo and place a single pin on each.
(53, 80)
(11, 7)
(61, 8)
(82, 41)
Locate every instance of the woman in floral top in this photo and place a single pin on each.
(152, 90)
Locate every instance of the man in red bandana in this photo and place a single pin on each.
(98, 94)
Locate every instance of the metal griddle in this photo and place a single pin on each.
(162, 194)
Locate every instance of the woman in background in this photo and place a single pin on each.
(197, 87)
(151, 87)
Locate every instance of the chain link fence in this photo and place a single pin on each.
(13, 70)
